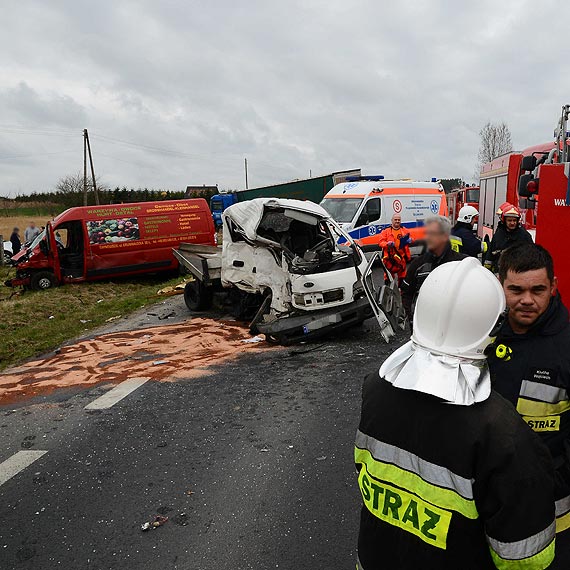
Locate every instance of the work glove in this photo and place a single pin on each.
(405, 240)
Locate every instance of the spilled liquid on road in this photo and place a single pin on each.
(161, 353)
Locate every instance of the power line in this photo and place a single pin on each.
(36, 154)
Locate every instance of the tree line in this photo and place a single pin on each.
(68, 193)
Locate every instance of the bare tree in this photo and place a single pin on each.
(70, 188)
(495, 141)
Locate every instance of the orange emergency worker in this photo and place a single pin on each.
(395, 243)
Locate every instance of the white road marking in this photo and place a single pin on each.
(18, 462)
(116, 394)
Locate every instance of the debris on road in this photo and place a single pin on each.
(51, 317)
(172, 290)
(253, 339)
(111, 319)
(158, 520)
(181, 519)
(159, 362)
(102, 359)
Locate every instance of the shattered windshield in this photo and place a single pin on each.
(342, 210)
(37, 240)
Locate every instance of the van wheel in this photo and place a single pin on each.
(197, 296)
(43, 280)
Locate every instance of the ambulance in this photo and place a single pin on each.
(364, 206)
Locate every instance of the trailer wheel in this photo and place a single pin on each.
(43, 280)
(197, 296)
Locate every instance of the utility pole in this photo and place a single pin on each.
(95, 191)
(85, 167)
(246, 183)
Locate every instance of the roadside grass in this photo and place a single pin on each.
(34, 322)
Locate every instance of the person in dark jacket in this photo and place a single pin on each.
(15, 240)
(508, 233)
(530, 365)
(451, 478)
(437, 232)
(463, 238)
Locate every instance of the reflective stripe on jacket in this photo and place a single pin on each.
(450, 487)
(532, 371)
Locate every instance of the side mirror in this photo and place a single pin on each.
(527, 204)
(524, 192)
(528, 163)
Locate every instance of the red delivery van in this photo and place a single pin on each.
(100, 242)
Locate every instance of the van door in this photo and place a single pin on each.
(52, 253)
(369, 221)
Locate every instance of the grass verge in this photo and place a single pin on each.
(34, 322)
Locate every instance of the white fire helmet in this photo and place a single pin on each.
(459, 310)
(466, 214)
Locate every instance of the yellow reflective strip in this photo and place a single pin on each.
(532, 408)
(540, 560)
(543, 423)
(443, 498)
(404, 510)
(563, 522)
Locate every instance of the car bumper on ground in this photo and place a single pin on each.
(288, 330)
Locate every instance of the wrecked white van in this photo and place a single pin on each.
(281, 262)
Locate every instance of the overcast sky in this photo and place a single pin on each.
(191, 88)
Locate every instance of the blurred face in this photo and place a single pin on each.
(436, 240)
(32, 225)
(474, 220)
(511, 222)
(397, 221)
(528, 295)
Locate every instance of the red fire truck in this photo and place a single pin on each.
(459, 197)
(499, 184)
(538, 181)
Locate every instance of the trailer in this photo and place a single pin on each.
(282, 269)
(312, 189)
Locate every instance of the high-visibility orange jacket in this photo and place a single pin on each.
(395, 257)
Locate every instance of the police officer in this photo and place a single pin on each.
(509, 232)
(463, 238)
(451, 478)
(531, 365)
(437, 232)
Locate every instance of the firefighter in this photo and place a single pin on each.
(463, 238)
(437, 232)
(395, 244)
(509, 232)
(450, 476)
(530, 365)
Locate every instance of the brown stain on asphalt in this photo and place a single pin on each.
(188, 351)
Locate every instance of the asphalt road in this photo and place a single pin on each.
(252, 466)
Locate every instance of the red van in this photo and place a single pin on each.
(100, 242)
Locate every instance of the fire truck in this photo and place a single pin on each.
(538, 181)
(459, 197)
(499, 183)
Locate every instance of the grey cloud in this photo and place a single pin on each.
(400, 89)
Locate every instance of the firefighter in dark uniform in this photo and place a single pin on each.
(437, 232)
(509, 232)
(530, 365)
(451, 478)
(463, 238)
